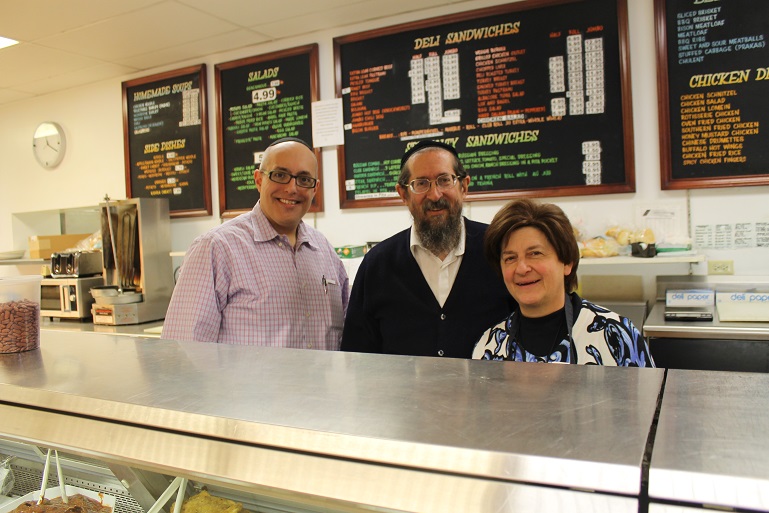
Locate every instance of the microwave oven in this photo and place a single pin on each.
(69, 298)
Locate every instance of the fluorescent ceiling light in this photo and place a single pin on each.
(4, 42)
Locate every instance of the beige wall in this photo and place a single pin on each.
(92, 119)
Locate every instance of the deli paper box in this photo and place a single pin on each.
(690, 297)
(743, 306)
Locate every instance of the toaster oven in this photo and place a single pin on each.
(68, 298)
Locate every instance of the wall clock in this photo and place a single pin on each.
(49, 144)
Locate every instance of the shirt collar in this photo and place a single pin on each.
(415, 242)
(263, 230)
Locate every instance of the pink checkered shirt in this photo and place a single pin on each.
(242, 283)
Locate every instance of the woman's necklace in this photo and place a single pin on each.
(557, 338)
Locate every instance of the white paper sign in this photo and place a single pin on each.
(327, 123)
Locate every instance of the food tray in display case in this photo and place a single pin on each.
(52, 493)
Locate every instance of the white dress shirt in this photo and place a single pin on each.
(439, 274)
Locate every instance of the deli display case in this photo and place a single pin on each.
(301, 430)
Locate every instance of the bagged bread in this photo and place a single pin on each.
(598, 247)
(625, 236)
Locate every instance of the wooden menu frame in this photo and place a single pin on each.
(291, 77)
(383, 116)
(701, 145)
(165, 140)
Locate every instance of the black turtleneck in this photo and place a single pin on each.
(540, 335)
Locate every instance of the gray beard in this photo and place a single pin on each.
(439, 238)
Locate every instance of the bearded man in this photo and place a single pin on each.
(428, 290)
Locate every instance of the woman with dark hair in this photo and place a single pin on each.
(533, 247)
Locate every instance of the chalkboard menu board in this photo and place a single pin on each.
(534, 95)
(166, 140)
(261, 99)
(713, 65)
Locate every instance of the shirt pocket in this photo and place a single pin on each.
(333, 309)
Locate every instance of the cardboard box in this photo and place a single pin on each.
(350, 251)
(41, 246)
(690, 297)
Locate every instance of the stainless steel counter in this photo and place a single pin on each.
(711, 446)
(401, 433)
(657, 326)
(147, 329)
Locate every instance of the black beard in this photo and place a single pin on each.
(436, 236)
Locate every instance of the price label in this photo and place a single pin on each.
(263, 95)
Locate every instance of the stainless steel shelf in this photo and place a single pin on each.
(656, 326)
(147, 329)
(25, 261)
(629, 260)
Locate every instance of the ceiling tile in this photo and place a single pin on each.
(372, 9)
(160, 26)
(69, 43)
(199, 48)
(345, 14)
(30, 63)
(11, 95)
(28, 21)
(244, 12)
(76, 78)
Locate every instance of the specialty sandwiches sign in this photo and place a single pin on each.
(534, 96)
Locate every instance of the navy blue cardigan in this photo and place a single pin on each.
(392, 309)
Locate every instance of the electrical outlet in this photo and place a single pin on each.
(720, 266)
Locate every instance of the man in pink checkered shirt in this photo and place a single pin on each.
(265, 278)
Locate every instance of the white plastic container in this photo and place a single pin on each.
(19, 313)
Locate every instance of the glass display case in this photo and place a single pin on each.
(300, 430)
(288, 430)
